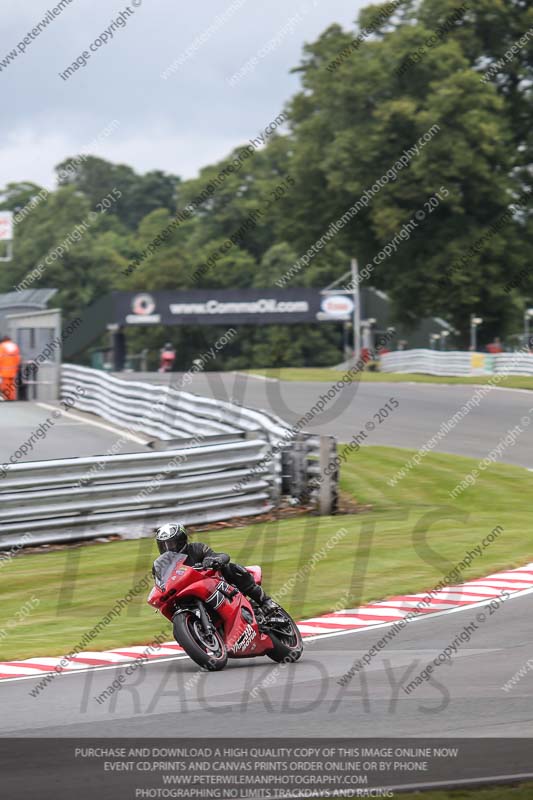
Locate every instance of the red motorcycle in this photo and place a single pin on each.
(213, 621)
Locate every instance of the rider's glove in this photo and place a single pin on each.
(211, 563)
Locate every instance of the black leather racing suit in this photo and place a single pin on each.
(235, 574)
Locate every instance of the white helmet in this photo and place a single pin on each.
(173, 537)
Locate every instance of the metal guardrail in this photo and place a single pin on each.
(210, 461)
(169, 414)
(69, 499)
(435, 362)
(162, 411)
(309, 472)
(322, 474)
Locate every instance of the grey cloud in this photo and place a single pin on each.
(178, 124)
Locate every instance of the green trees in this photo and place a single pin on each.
(18, 196)
(352, 123)
(424, 110)
(67, 248)
(141, 194)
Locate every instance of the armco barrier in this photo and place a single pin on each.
(170, 414)
(211, 461)
(434, 362)
(83, 498)
(161, 411)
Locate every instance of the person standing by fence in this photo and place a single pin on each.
(495, 347)
(9, 366)
(168, 356)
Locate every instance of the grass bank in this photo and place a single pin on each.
(331, 375)
(413, 535)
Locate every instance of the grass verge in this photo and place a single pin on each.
(413, 535)
(319, 375)
(524, 792)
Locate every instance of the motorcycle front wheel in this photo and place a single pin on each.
(207, 650)
(286, 638)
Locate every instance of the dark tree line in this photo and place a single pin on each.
(367, 96)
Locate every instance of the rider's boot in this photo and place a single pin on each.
(267, 604)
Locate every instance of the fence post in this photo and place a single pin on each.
(327, 497)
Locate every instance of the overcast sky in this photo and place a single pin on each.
(178, 124)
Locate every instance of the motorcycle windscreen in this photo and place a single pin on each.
(164, 566)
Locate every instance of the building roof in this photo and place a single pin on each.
(35, 298)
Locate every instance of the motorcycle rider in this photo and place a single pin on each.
(173, 538)
(168, 356)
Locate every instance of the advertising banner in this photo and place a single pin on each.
(6, 226)
(226, 306)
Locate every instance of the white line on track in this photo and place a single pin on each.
(450, 385)
(257, 377)
(81, 670)
(498, 388)
(118, 431)
(373, 627)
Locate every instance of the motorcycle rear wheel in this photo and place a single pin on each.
(208, 651)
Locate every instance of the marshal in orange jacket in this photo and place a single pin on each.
(9, 365)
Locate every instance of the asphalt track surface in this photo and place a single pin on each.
(466, 698)
(72, 435)
(422, 410)
(173, 697)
